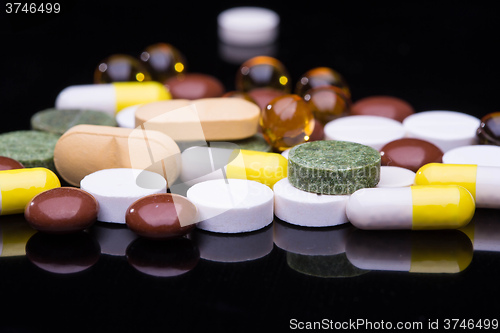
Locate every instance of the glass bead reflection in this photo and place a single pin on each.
(321, 76)
(163, 61)
(262, 72)
(327, 103)
(489, 129)
(286, 121)
(120, 68)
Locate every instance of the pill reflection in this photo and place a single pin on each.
(163, 258)
(234, 247)
(63, 254)
(484, 230)
(113, 238)
(14, 234)
(443, 251)
(318, 252)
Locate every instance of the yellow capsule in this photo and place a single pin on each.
(19, 186)
(483, 182)
(413, 207)
(205, 163)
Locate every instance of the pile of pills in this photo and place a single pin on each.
(164, 151)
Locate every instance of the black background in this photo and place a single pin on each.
(434, 55)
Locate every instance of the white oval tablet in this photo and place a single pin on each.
(248, 26)
(232, 205)
(116, 189)
(445, 129)
(373, 131)
(309, 209)
(392, 176)
(126, 117)
(484, 155)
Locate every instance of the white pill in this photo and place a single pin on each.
(232, 205)
(371, 131)
(392, 176)
(126, 117)
(309, 209)
(116, 189)
(248, 26)
(445, 129)
(484, 155)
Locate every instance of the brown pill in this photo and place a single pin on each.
(489, 129)
(383, 106)
(410, 153)
(161, 216)
(7, 163)
(62, 210)
(194, 86)
(262, 96)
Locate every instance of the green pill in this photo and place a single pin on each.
(31, 148)
(60, 120)
(333, 167)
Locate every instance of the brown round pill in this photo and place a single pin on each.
(383, 106)
(262, 96)
(161, 216)
(194, 86)
(62, 210)
(7, 163)
(410, 153)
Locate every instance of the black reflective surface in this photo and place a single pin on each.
(435, 56)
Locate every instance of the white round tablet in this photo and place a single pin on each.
(392, 176)
(285, 152)
(232, 205)
(373, 131)
(126, 117)
(445, 129)
(309, 209)
(116, 189)
(484, 155)
(248, 26)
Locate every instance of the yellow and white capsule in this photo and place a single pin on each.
(111, 97)
(483, 182)
(19, 186)
(206, 163)
(414, 207)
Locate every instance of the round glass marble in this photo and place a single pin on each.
(121, 68)
(163, 61)
(286, 121)
(262, 72)
(321, 76)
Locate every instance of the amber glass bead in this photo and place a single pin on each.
(489, 129)
(120, 68)
(327, 103)
(263, 72)
(163, 61)
(286, 121)
(321, 76)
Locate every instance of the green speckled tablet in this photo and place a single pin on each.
(333, 167)
(59, 121)
(31, 148)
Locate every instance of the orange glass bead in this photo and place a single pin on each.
(327, 103)
(286, 121)
(321, 76)
(263, 72)
(163, 61)
(120, 68)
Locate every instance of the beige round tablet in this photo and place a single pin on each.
(85, 149)
(202, 119)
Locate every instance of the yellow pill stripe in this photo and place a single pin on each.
(133, 93)
(19, 186)
(265, 168)
(441, 207)
(448, 174)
